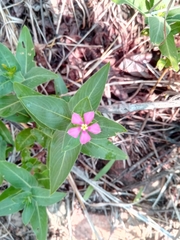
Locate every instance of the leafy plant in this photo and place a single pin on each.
(64, 129)
(163, 24)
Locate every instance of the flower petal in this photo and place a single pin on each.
(76, 119)
(88, 117)
(94, 128)
(74, 132)
(84, 138)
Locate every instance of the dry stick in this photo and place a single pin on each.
(123, 107)
(158, 81)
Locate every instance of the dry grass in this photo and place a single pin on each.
(75, 38)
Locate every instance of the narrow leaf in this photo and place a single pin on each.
(39, 222)
(101, 173)
(60, 86)
(25, 51)
(3, 146)
(28, 212)
(5, 133)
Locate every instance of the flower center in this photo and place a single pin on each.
(84, 127)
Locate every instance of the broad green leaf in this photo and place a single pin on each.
(50, 111)
(92, 89)
(175, 27)
(23, 91)
(60, 162)
(37, 76)
(25, 51)
(47, 111)
(39, 222)
(101, 173)
(27, 213)
(5, 133)
(3, 146)
(104, 149)
(24, 139)
(108, 127)
(8, 206)
(7, 60)
(9, 105)
(168, 49)
(16, 176)
(158, 29)
(43, 197)
(20, 117)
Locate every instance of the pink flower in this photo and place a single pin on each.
(83, 127)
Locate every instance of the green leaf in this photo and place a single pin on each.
(104, 149)
(168, 49)
(158, 29)
(6, 86)
(9, 105)
(3, 146)
(7, 60)
(16, 176)
(10, 191)
(27, 213)
(25, 51)
(41, 137)
(8, 206)
(39, 222)
(92, 89)
(50, 111)
(108, 127)
(24, 197)
(37, 76)
(60, 86)
(20, 117)
(60, 162)
(43, 197)
(5, 133)
(83, 106)
(101, 173)
(175, 28)
(24, 139)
